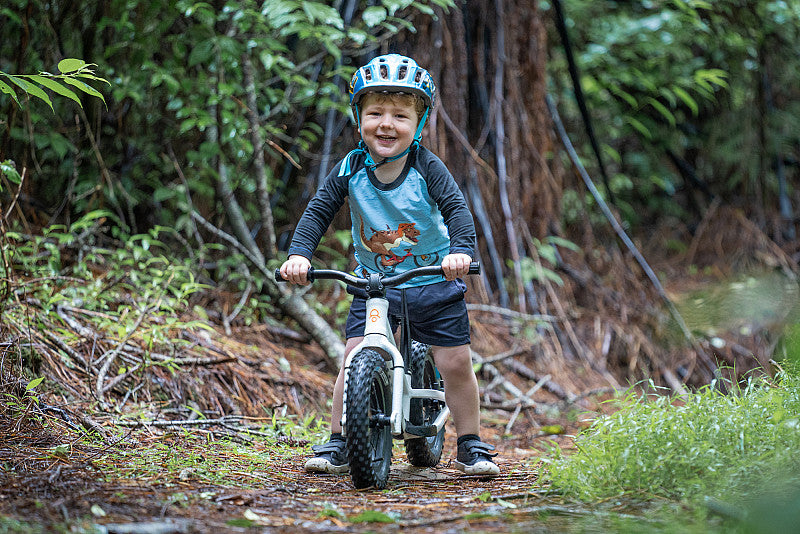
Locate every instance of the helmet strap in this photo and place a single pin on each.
(372, 164)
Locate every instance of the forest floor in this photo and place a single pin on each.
(147, 456)
(54, 479)
(280, 497)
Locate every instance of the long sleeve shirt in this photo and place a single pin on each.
(415, 220)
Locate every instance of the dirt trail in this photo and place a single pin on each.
(256, 371)
(281, 498)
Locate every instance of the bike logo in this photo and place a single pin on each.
(374, 316)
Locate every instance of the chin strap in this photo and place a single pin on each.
(372, 165)
(345, 168)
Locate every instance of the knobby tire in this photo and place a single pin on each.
(424, 452)
(369, 443)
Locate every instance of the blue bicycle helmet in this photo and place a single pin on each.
(392, 73)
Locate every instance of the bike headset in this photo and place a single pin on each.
(391, 73)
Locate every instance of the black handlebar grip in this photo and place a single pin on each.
(279, 277)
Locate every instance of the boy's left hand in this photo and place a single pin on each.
(456, 265)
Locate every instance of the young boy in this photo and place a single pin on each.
(406, 210)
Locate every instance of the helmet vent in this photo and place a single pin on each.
(402, 72)
(368, 75)
(384, 72)
(417, 77)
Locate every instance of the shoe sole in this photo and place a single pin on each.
(321, 465)
(482, 468)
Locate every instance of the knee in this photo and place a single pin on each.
(453, 361)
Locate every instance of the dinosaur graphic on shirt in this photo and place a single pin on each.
(383, 242)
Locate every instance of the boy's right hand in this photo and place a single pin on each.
(295, 270)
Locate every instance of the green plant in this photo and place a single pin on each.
(22, 404)
(702, 443)
(666, 80)
(534, 270)
(72, 73)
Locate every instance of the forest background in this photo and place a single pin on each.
(219, 120)
(631, 167)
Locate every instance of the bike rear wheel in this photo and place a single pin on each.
(424, 452)
(369, 436)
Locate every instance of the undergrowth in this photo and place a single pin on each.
(720, 453)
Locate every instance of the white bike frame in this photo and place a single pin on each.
(378, 336)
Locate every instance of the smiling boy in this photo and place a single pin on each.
(406, 210)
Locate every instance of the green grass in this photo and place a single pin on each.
(710, 452)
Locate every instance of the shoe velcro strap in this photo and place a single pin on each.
(480, 447)
(331, 446)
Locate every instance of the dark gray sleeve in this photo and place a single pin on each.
(444, 190)
(318, 214)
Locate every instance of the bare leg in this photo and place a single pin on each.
(338, 388)
(460, 387)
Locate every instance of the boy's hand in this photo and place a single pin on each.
(295, 270)
(455, 265)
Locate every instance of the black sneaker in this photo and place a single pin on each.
(330, 458)
(475, 458)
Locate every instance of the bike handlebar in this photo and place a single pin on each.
(386, 281)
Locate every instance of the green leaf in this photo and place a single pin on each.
(626, 96)
(662, 109)
(327, 15)
(639, 126)
(33, 383)
(561, 242)
(56, 87)
(89, 90)
(201, 53)
(66, 66)
(548, 253)
(91, 76)
(687, 99)
(59, 144)
(393, 6)
(372, 516)
(7, 89)
(373, 16)
(708, 77)
(240, 522)
(19, 82)
(8, 170)
(34, 90)
(61, 451)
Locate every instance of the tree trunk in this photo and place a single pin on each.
(495, 124)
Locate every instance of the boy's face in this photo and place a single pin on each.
(388, 124)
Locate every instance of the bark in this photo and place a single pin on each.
(258, 158)
(494, 129)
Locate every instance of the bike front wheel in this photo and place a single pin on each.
(424, 452)
(369, 436)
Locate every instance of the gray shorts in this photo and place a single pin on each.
(437, 313)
